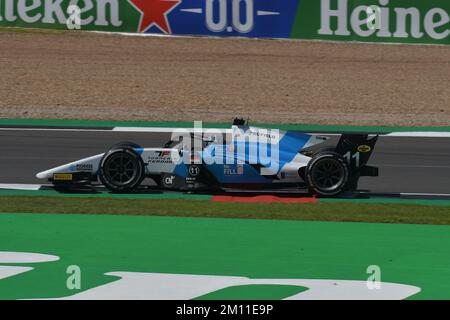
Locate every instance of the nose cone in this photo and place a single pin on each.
(46, 174)
(92, 162)
(41, 175)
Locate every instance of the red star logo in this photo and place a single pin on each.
(154, 13)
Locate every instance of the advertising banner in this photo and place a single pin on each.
(408, 21)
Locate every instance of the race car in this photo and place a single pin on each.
(240, 158)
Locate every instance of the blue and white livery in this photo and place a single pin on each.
(241, 158)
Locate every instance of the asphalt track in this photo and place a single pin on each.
(407, 164)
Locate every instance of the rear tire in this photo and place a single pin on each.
(327, 174)
(121, 170)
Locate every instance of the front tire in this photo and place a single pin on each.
(121, 170)
(327, 174)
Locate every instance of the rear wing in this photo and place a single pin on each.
(357, 149)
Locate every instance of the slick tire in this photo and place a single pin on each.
(327, 174)
(121, 170)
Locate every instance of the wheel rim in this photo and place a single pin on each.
(121, 169)
(328, 175)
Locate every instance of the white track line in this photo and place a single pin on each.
(242, 38)
(149, 129)
(25, 187)
(406, 194)
(151, 35)
(411, 166)
(168, 130)
(55, 129)
(424, 194)
(417, 134)
(420, 134)
(35, 187)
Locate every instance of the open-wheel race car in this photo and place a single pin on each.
(241, 158)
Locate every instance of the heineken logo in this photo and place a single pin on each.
(98, 13)
(101, 13)
(339, 18)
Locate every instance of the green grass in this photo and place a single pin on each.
(408, 254)
(325, 211)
